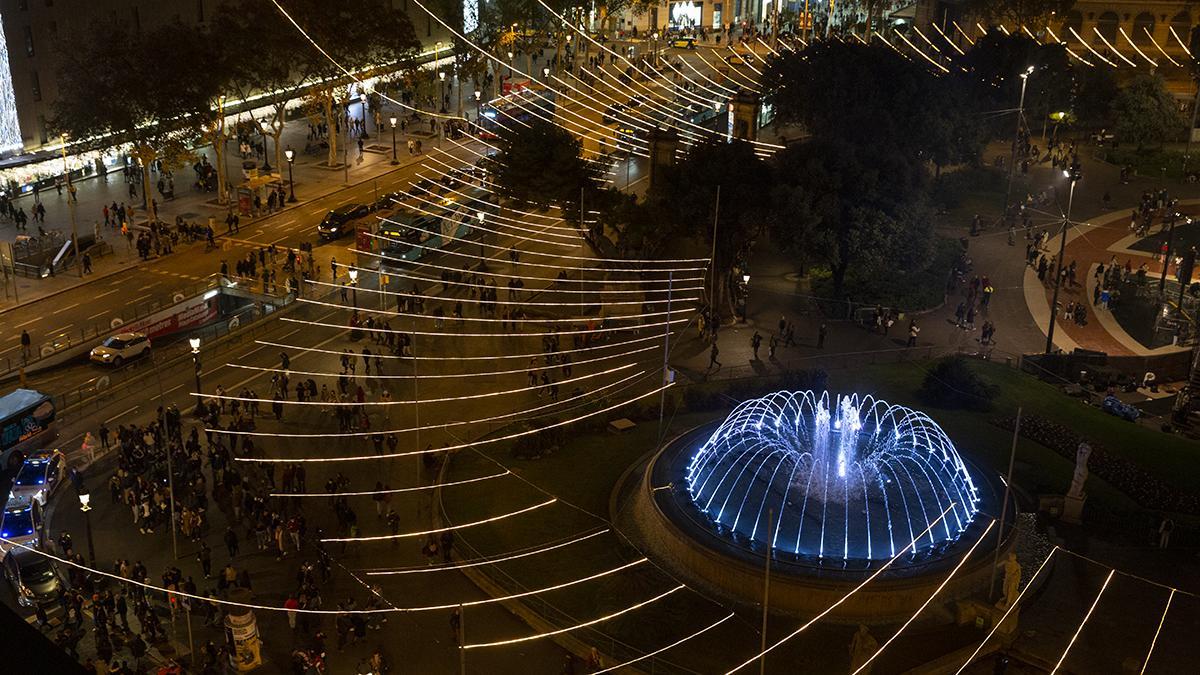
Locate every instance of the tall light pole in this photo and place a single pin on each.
(1073, 175)
(510, 60)
(354, 285)
(195, 344)
(392, 120)
(84, 498)
(71, 208)
(478, 99)
(442, 100)
(290, 156)
(1012, 164)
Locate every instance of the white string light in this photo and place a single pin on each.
(1136, 48)
(1181, 43)
(1082, 623)
(845, 597)
(406, 274)
(395, 491)
(963, 32)
(1112, 47)
(527, 413)
(1158, 630)
(1089, 47)
(581, 331)
(1160, 48)
(445, 399)
(1011, 607)
(593, 622)
(962, 561)
(660, 650)
(450, 448)
(426, 569)
(573, 320)
(490, 373)
(439, 530)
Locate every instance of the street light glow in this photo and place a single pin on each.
(353, 275)
(195, 343)
(289, 154)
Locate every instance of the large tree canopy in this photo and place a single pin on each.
(868, 95)
(541, 163)
(1030, 13)
(851, 208)
(1146, 113)
(994, 66)
(151, 89)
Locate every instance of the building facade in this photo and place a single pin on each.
(34, 32)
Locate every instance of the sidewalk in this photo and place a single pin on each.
(313, 179)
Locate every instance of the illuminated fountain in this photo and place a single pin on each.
(835, 489)
(841, 477)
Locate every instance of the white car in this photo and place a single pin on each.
(121, 347)
(21, 523)
(41, 474)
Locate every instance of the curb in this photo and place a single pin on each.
(299, 203)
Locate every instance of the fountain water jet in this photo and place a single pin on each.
(848, 478)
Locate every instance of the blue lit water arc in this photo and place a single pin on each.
(846, 477)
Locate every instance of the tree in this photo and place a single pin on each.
(1146, 113)
(359, 36)
(1095, 91)
(854, 208)
(151, 89)
(542, 163)
(994, 66)
(688, 195)
(1017, 12)
(868, 96)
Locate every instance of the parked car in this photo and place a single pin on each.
(340, 221)
(119, 348)
(735, 60)
(35, 579)
(42, 472)
(388, 201)
(684, 42)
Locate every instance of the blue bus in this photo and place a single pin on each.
(25, 419)
(410, 235)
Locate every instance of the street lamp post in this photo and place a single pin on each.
(354, 285)
(1073, 175)
(195, 344)
(71, 208)
(266, 146)
(1170, 253)
(478, 98)
(1016, 138)
(510, 60)
(392, 120)
(84, 499)
(290, 155)
(442, 100)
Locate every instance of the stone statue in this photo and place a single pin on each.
(862, 647)
(1012, 582)
(1081, 471)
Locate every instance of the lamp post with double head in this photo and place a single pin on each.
(1073, 175)
(354, 285)
(195, 344)
(290, 156)
(442, 100)
(392, 120)
(84, 499)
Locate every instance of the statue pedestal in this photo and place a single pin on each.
(984, 616)
(1073, 509)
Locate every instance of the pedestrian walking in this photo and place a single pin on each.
(755, 342)
(821, 333)
(913, 329)
(231, 541)
(712, 357)
(26, 343)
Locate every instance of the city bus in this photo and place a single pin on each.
(25, 420)
(410, 235)
(515, 108)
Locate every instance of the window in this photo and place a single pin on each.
(28, 41)
(1143, 28)
(1106, 25)
(36, 85)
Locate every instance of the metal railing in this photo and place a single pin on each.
(95, 330)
